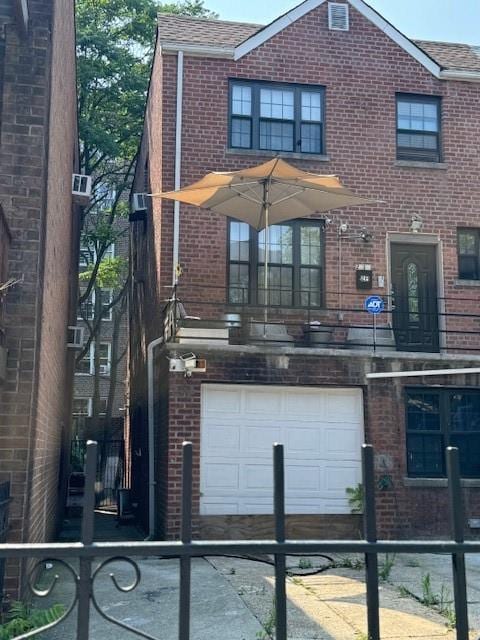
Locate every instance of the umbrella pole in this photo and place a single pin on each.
(267, 246)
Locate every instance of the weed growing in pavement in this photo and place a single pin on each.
(305, 563)
(269, 625)
(348, 563)
(386, 568)
(428, 597)
(403, 592)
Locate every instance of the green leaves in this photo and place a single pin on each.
(111, 273)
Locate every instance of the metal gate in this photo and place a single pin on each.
(110, 469)
(107, 552)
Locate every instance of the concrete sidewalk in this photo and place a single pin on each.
(232, 599)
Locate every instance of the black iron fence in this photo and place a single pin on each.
(88, 552)
(110, 469)
(4, 513)
(337, 320)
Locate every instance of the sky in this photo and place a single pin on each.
(442, 20)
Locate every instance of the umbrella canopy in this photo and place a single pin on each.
(269, 193)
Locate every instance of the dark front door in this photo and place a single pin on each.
(414, 297)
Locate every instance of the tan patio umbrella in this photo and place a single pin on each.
(267, 194)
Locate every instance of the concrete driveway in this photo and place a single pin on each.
(232, 599)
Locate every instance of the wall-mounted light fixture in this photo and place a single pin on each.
(416, 223)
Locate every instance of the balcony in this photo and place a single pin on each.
(204, 316)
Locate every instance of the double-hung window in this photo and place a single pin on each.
(295, 264)
(436, 419)
(418, 128)
(276, 117)
(468, 245)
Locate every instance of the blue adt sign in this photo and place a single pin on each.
(374, 304)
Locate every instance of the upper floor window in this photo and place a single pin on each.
(273, 117)
(418, 128)
(439, 418)
(468, 244)
(295, 264)
(87, 308)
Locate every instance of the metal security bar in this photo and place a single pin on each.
(108, 552)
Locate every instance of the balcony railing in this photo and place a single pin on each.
(205, 315)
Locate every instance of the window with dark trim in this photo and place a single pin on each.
(276, 117)
(436, 419)
(468, 247)
(418, 128)
(295, 264)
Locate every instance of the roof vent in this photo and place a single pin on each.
(338, 16)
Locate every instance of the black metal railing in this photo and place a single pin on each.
(110, 469)
(106, 553)
(5, 500)
(204, 313)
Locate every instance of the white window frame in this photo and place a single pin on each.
(89, 408)
(91, 357)
(109, 316)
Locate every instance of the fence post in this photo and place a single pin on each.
(370, 532)
(458, 559)
(186, 536)
(279, 511)
(85, 581)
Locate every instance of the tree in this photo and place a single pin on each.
(115, 40)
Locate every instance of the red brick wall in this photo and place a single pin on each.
(37, 156)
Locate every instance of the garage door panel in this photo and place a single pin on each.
(322, 429)
(258, 477)
(337, 478)
(301, 478)
(301, 440)
(221, 438)
(304, 404)
(343, 406)
(219, 400)
(263, 403)
(259, 439)
(225, 476)
(343, 441)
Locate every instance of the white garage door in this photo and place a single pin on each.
(321, 429)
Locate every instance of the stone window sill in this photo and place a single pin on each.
(421, 165)
(467, 283)
(437, 482)
(260, 153)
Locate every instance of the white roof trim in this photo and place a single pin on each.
(460, 74)
(204, 50)
(298, 12)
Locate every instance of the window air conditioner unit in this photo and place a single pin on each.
(139, 207)
(75, 337)
(104, 369)
(81, 188)
(139, 202)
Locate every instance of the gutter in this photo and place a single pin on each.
(206, 51)
(459, 75)
(151, 437)
(178, 165)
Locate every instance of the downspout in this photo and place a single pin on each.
(178, 165)
(159, 341)
(151, 437)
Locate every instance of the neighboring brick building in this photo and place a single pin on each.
(38, 153)
(113, 340)
(335, 89)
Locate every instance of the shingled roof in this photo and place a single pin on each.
(187, 30)
(200, 31)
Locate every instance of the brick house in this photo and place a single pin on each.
(38, 153)
(333, 88)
